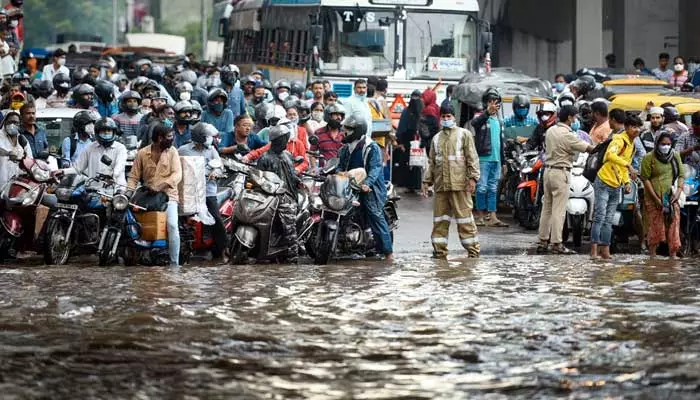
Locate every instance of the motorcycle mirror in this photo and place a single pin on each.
(130, 142)
(331, 165)
(243, 148)
(106, 160)
(313, 140)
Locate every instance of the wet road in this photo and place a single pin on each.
(513, 325)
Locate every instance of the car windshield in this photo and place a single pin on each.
(439, 45)
(56, 129)
(357, 41)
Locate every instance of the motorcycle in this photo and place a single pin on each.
(73, 227)
(132, 147)
(19, 199)
(690, 217)
(514, 161)
(528, 196)
(343, 229)
(579, 208)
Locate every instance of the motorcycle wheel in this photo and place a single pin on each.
(239, 253)
(130, 256)
(577, 228)
(326, 244)
(6, 243)
(310, 243)
(565, 232)
(523, 204)
(55, 252)
(105, 259)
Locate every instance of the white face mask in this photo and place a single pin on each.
(208, 141)
(14, 23)
(90, 129)
(678, 67)
(448, 123)
(62, 61)
(185, 96)
(283, 96)
(544, 118)
(665, 148)
(317, 116)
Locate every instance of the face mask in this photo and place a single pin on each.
(576, 125)
(544, 118)
(12, 129)
(61, 61)
(448, 124)
(185, 96)
(90, 129)
(334, 124)
(16, 105)
(665, 148)
(208, 141)
(167, 122)
(309, 94)
(283, 96)
(317, 116)
(14, 23)
(293, 133)
(217, 108)
(560, 86)
(521, 112)
(678, 67)
(362, 97)
(107, 137)
(294, 121)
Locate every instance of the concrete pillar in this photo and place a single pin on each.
(689, 31)
(588, 33)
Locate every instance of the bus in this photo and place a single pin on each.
(411, 43)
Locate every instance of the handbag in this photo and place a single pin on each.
(417, 156)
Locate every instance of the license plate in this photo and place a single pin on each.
(67, 206)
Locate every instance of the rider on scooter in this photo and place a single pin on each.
(547, 116)
(360, 151)
(279, 161)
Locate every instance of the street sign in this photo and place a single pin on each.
(405, 3)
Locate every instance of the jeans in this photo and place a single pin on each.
(173, 232)
(374, 211)
(220, 238)
(606, 200)
(487, 187)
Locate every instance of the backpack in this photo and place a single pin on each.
(596, 159)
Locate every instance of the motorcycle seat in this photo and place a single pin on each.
(223, 195)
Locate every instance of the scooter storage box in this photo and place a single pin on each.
(153, 225)
(193, 186)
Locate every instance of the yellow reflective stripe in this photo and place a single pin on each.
(442, 218)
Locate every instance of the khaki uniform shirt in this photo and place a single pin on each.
(452, 161)
(560, 144)
(168, 170)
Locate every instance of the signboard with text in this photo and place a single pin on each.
(436, 64)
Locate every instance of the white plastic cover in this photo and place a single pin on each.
(193, 189)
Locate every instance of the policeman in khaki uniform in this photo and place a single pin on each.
(453, 170)
(560, 145)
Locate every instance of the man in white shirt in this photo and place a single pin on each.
(90, 162)
(13, 147)
(58, 65)
(356, 105)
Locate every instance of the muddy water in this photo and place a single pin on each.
(520, 326)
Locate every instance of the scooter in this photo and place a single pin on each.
(527, 195)
(579, 208)
(514, 161)
(19, 199)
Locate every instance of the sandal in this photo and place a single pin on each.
(542, 247)
(480, 222)
(498, 224)
(560, 249)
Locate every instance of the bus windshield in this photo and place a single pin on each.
(357, 41)
(439, 45)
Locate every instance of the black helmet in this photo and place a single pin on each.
(671, 114)
(267, 84)
(278, 131)
(297, 88)
(80, 92)
(201, 131)
(282, 83)
(156, 73)
(244, 80)
(78, 76)
(355, 129)
(521, 101)
(129, 94)
(291, 102)
(196, 111)
(18, 77)
(150, 86)
(183, 106)
(214, 93)
(106, 131)
(490, 94)
(104, 90)
(139, 83)
(229, 75)
(139, 66)
(61, 82)
(188, 76)
(264, 111)
(83, 118)
(584, 84)
(41, 88)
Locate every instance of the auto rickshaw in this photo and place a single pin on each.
(686, 105)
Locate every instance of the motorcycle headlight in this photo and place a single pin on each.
(131, 155)
(526, 170)
(120, 202)
(63, 194)
(336, 203)
(41, 175)
(30, 197)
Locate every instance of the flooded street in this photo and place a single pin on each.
(509, 324)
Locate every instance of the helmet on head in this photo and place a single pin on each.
(183, 107)
(18, 77)
(196, 111)
(584, 84)
(267, 84)
(291, 102)
(156, 73)
(521, 105)
(188, 76)
(78, 76)
(106, 131)
(104, 90)
(214, 93)
(82, 119)
(139, 83)
(489, 95)
(61, 82)
(671, 114)
(547, 114)
(335, 108)
(566, 99)
(297, 88)
(354, 129)
(83, 95)
(282, 84)
(129, 94)
(264, 112)
(41, 88)
(229, 74)
(201, 131)
(139, 64)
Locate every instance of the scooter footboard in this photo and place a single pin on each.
(247, 235)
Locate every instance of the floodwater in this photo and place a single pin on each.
(518, 326)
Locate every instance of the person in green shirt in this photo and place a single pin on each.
(662, 169)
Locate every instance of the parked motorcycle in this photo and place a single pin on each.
(19, 199)
(579, 208)
(528, 197)
(511, 180)
(690, 217)
(132, 147)
(343, 229)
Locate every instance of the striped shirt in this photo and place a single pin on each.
(128, 125)
(328, 146)
(513, 120)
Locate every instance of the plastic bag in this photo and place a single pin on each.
(417, 156)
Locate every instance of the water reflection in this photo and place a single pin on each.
(520, 326)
